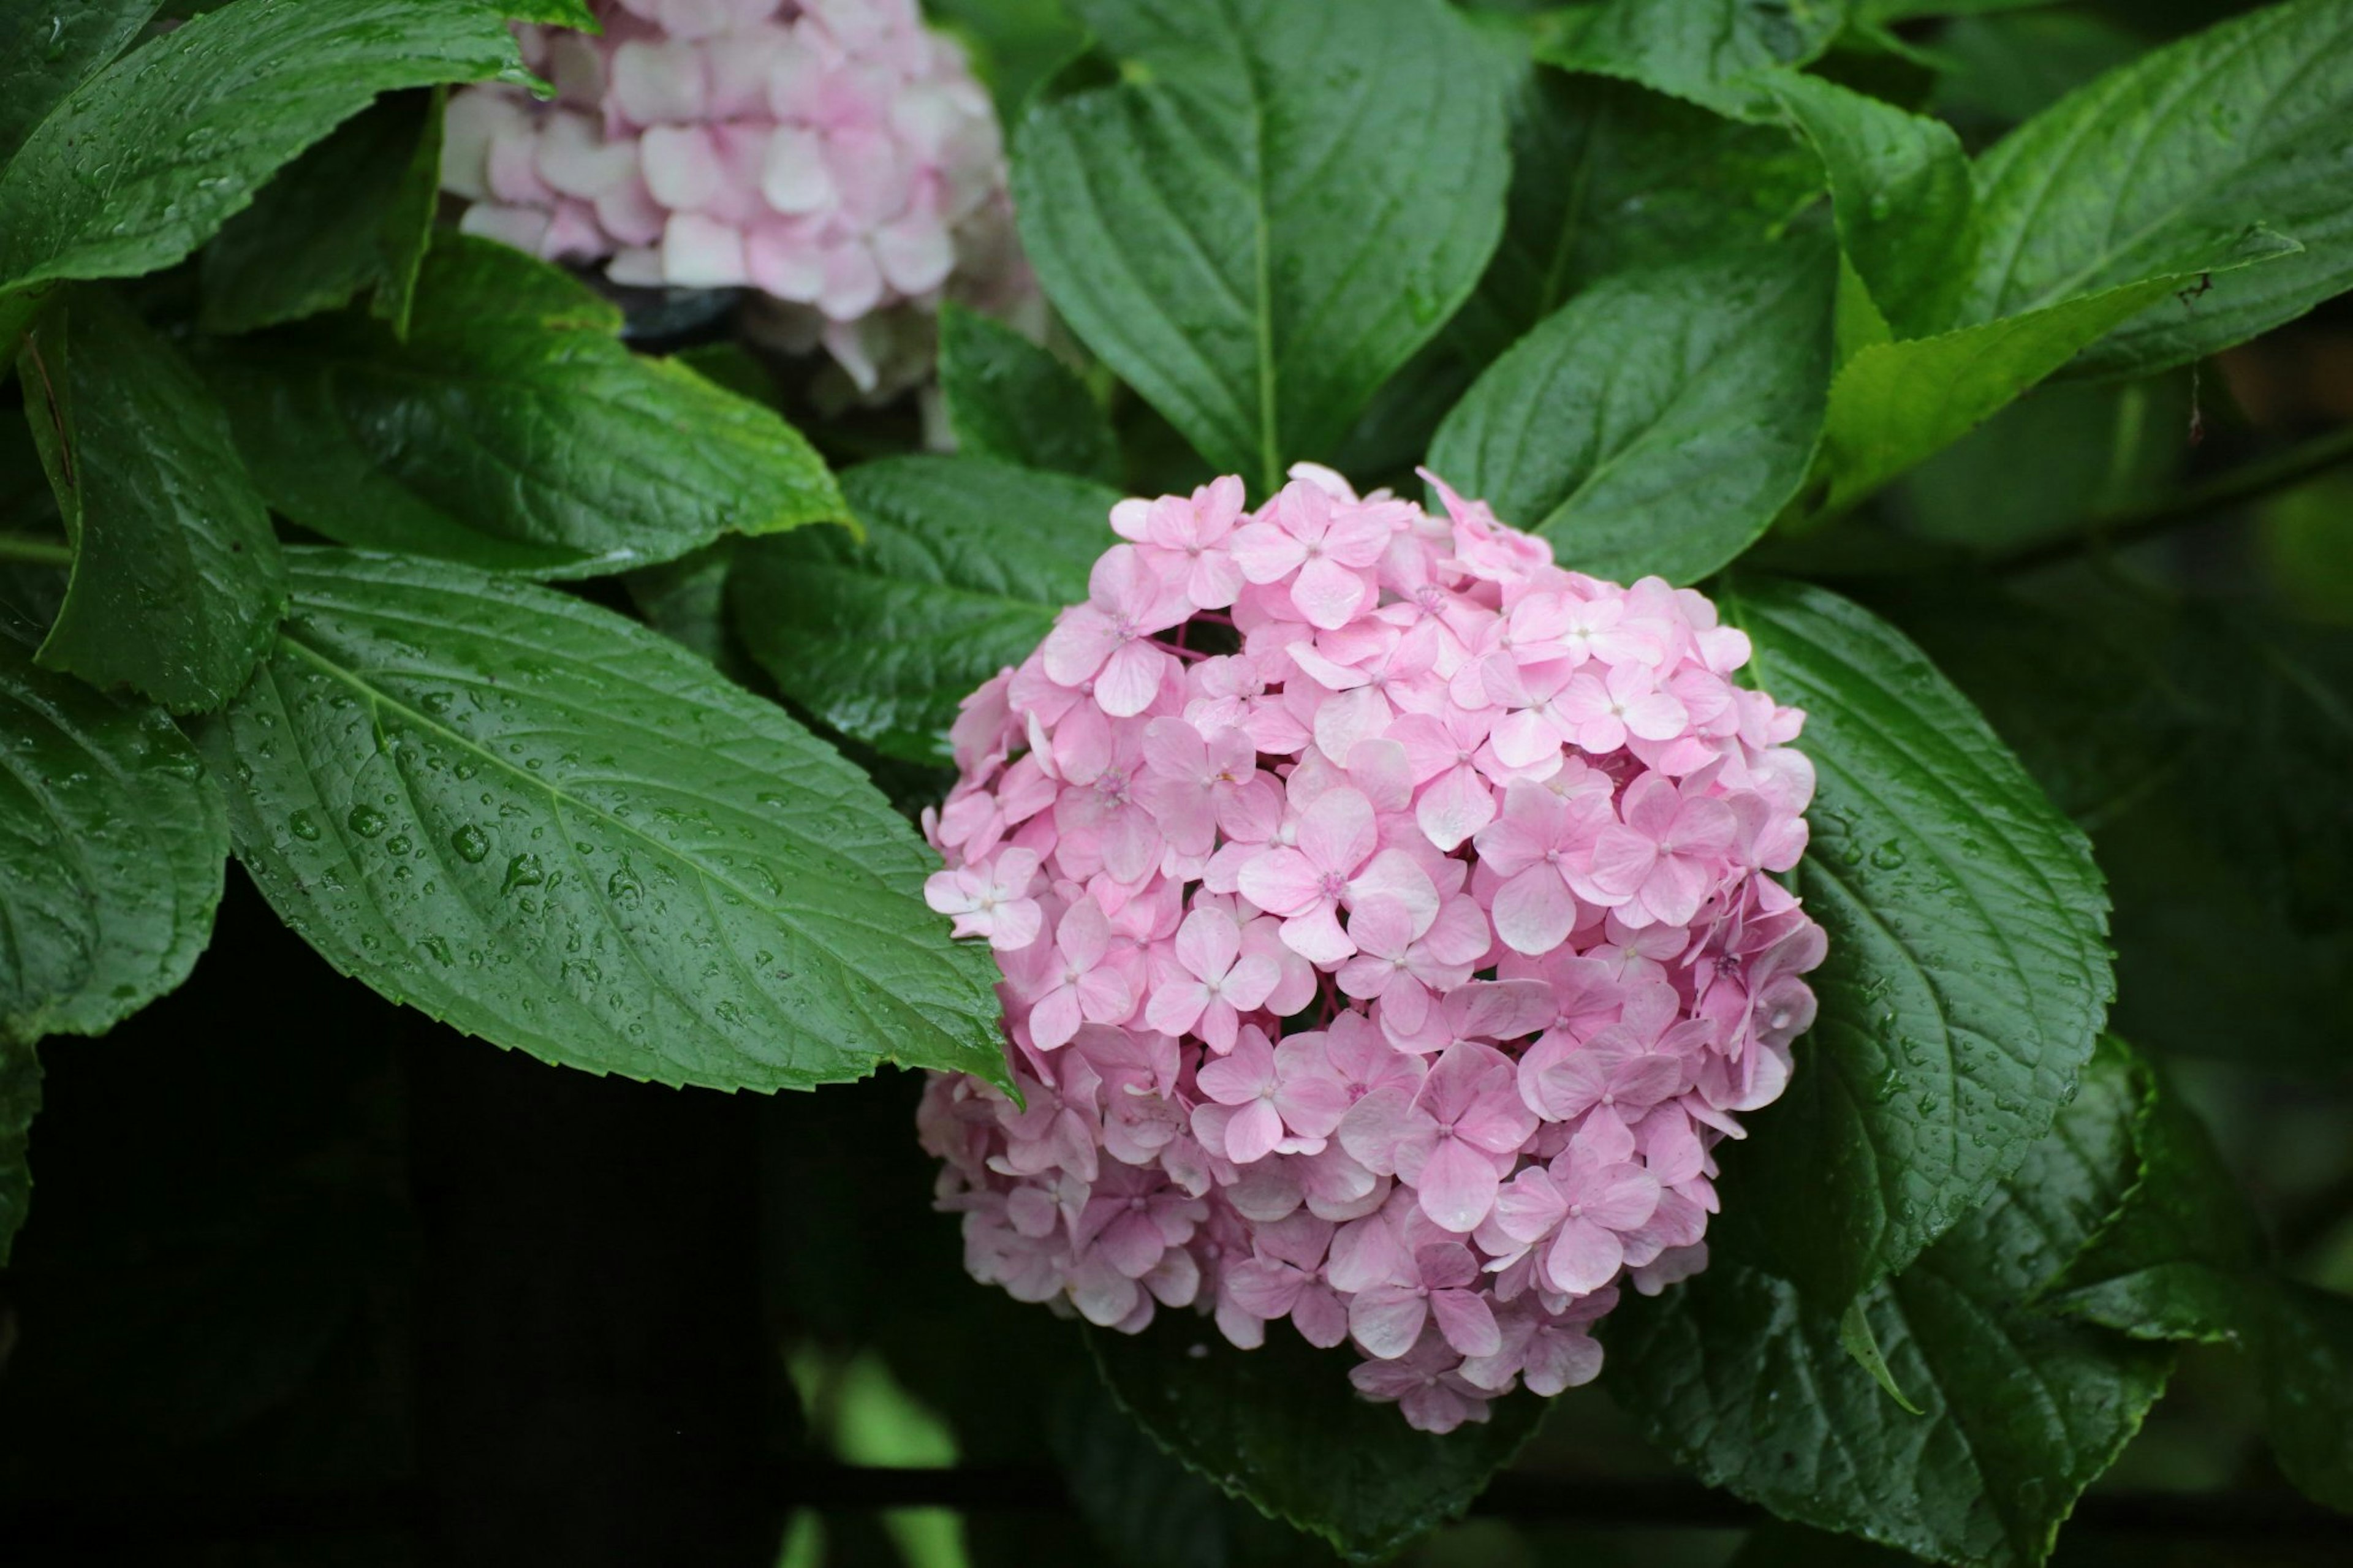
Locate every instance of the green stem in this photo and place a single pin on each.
(2249, 482)
(32, 552)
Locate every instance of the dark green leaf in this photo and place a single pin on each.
(2096, 449)
(1273, 207)
(556, 830)
(965, 564)
(2307, 1364)
(46, 50)
(2244, 124)
(2183, 1255)
(2182, 1260)
(111, 846)
(556, 13)
(352, 214)
(20, 1101)
(1696, 49)
(2001, 70)
(1658, 421)
(1894, 404)
(1901, 185)
(1006, 397)
(1014, 44)
(1783, 1545)
(144, 161)
(2137, 713)
(1967, 974)
(1610, 177)
(512, 431)
(1280, 1426)
(686, 601)
(1740, 1379)
(176, 578)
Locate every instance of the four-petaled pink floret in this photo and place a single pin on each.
(1387, 938)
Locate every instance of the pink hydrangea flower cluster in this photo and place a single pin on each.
(835, 155)
(1385, 935)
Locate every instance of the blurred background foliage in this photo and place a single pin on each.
(339, 1286)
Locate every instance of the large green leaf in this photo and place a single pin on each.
(352, 214)
(1007, 397)
(511, 431)
(1739, 1378)
(1658, 421)
(1968, 969)
(2245, 123)
(1280, 1426)
(176, 577)
(2183, 1255)
(556, 830)
(965, 562)
(2184, 1259)
(1272, 208)
(1901, 187)
(144, 162)
(1697, 49)
(111, 846)
(20, 1101)
(1607, 177)
(47, 49)
(1894, 404)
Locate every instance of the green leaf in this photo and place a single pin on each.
(1007, 397)
(2242, 124)
(1738, 1378)
(1611, 177)
(144, 161)
(20, 1101)
(176, 577)
(552, 827)
(1280, 1426)
(554, 12)
(686, 601)
(112, 848)
(47, 49)
(1967, 973)
(352, 214)
(2183, 1260)
(2307, 1367)
(1658, 421)
(1269, 211)
(965, 564)
(2183, 1253)
(1695, 49)
(1900, 186)
(1777, 1544)
(1894, 404)
(2001, 70)
(511, 431)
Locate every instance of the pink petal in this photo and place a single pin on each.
(1535, 912)
(1585, 1257)
(1281, 882)
(1254, 1132)
(1466, 1322)
(1337, 833)
(1328, 594)
(1130, 678)
(1387, 1319)
(1457, 1186)
(1457, 805)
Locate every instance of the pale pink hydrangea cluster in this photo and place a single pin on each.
(1385, 938)
(835, 155)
